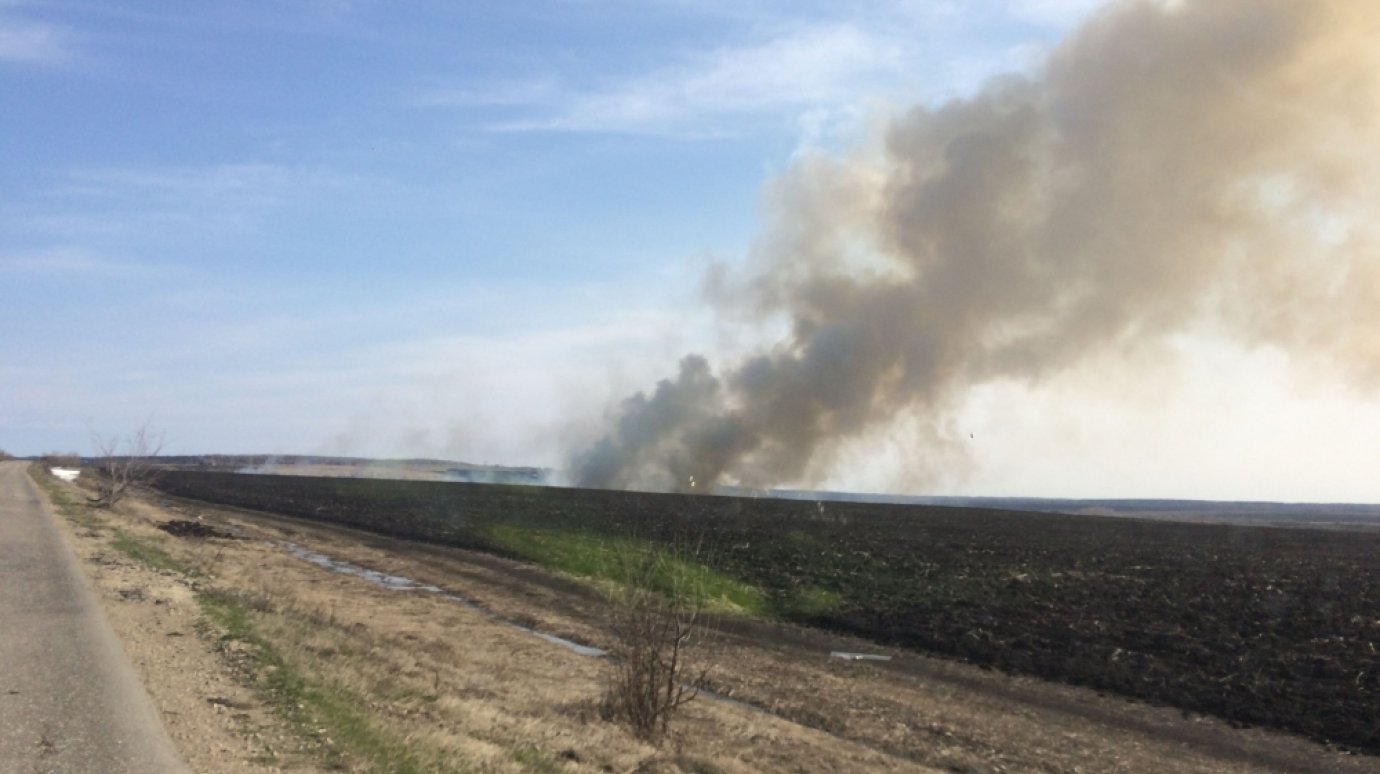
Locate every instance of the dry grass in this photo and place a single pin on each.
(467, 692)
(445, 679)
(380, 680)
(411, 681)
(373, 679)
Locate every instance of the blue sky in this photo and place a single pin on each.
(436, 228)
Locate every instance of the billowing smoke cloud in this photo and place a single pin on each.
(1174, 165)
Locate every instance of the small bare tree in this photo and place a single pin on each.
(654, 615)
(118, 472)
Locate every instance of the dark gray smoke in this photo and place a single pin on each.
(1174, 165)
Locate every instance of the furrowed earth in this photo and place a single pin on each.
(1260, 626)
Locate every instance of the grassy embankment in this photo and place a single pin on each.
(329, 718)
(610, 562)
(606, 561)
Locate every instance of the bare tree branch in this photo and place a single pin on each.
(119, 472)
(652, 628)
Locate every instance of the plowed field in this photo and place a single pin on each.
(1270, 626)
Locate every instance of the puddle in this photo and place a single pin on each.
(394, 582)
(846, 656)
(726, 699)
(401, 583)
(583, 650)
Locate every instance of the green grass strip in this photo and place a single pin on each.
(328, 716)
(146, 553)
(536, 761)
(609, 559)
(812, 601)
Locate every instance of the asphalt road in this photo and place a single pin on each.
(69, 699)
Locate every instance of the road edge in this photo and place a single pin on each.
(144, 730)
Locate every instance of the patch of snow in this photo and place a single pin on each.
(66, 474)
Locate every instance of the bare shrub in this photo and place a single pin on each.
(4, 455)
(653, 617)
(124, 463)
(56, 459)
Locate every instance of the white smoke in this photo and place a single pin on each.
(1172, 166)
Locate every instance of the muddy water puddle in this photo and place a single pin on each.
(848, 656)
(402, 583)
(392, 582)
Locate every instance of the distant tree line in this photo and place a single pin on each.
(56, 459)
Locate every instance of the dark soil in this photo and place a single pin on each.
(1258, 625)
(194, 529)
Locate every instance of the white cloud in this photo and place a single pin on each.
(67, 261)
(1062, 13)
(241, 183)
(33, 43)
(810, 66)
(815, 65)
(518, 92)
(106, 201)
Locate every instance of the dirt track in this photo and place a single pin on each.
(812, 713)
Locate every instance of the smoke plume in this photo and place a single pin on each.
(1172, 165)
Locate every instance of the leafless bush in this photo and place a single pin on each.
(654, 615)
(55, 459)
(118, 472)
(4, 455)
